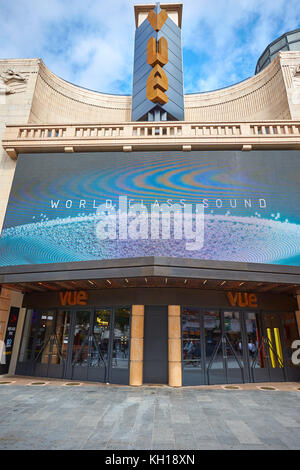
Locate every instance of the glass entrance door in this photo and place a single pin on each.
(234, 351)
(85, 344)
(274, 348)
(214, 357)
(224, 347)
(266, 354)
(98, 348)
(79, 345)
(257, 349)
(213, 347)
(192, 347)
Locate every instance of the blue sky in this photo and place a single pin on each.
(90, 42)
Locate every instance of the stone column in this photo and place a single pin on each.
(174, 346)
(137, 345)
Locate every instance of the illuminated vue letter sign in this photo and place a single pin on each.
(157, 76)
(212, 205)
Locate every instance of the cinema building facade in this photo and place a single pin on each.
(152, 238)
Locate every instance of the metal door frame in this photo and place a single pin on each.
(222, 342)
(110, 369)
(247, 371)
(69, 366)
(49, 339)
(66, 364)
(202, 342)
(269, 348)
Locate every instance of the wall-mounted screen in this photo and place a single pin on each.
(210, 205)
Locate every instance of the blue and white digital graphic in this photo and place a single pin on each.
(96, 206)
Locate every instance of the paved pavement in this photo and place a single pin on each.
(94, 416)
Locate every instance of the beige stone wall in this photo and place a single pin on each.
(261, 97)
(290, 64)
(14, 107)
(44, 98)
(57, 101)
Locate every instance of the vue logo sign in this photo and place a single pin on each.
(72, 298)
(242, 299)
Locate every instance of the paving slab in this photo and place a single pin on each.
(110, 417)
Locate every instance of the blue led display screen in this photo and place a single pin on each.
(213, 205)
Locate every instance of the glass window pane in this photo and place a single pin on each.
(256, 347)
(278, 45)
(212, 328)
(264, 58)
(191, 323)
(30, 328)
(120, 355)
(62, 336)
(268, 61)
(42, 345)
(81, 336)
(191, 353)
(294, 37)
(99, 350)
(273, 338)
(295, 46)
(234, 350)
(291, 334)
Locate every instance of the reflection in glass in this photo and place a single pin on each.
(100, 344)
(256, 346)
(291, 334)
(191, 343)
(120, 354)
(233, 332)
(212, 328)
(61, 337)
(81, 337)
(30, 328)
(273, 338)
(42, 343)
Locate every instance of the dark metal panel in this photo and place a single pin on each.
(152, 266)
(156, 345)
(143, 30)
(172, 94)
(161, 296)
(140, 104)
(174, 42)
(170, 25)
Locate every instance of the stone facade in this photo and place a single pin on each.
(30, 94)
(39, 97)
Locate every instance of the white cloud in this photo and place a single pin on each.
(90, 43)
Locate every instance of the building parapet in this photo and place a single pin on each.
(151, 136)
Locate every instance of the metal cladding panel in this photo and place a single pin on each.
(173, 103)
(141, 105)
(175, 87)
(138, 85)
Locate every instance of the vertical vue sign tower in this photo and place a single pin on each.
(157, 93)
